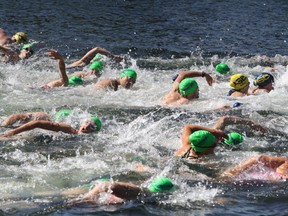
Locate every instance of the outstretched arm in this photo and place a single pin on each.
(85, 60)
(266, 160)
(6, 51)
(61, 65)
(24, 118)
(230, 120)
(188, 130)
(122, 190)
(191, 74)
(47, 125)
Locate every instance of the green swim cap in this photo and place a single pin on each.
(161, 184)
(98, 57)
(97, 122)
(26, 46)
(75, 80)
(233, 139)
(129, 72)
(97, 65)
(62, 114)
(201, 140)
(222, 68)
(187, 86)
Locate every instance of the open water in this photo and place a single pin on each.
(160, 38)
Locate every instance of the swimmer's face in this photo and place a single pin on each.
(246, 88)
(88, 126)
(26, 53)
(194, 95)
(269, 87)
(127, 82)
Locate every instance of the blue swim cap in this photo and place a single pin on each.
(236, 104)
(263, 79)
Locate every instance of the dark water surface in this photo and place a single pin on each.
(161, 38)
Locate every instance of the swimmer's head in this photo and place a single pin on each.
(222, 68)
(160, 185)
(129, 73)
(96, 65)
(263, 79)
(90, 124)
(62, 114)
(97, 122)
(233, 139)
(187, 87)
(20, 37)
(239, 81)
(202, 140)
(128, 78)
(75, 80)
(26, 51)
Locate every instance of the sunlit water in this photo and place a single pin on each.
(137, 129)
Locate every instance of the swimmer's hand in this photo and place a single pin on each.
(54, 54)
(8, 133)
(209, 79)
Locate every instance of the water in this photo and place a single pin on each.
(160, 38)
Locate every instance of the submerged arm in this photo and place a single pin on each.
(47, 125)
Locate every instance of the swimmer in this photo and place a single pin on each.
(278, 164)
(122, 191)
(264, 83)
(185, 88)
(127, 79)
(12, 56)
(198, 141)
(89, 57)
(240, 85)
(42, 120)
(73, 79)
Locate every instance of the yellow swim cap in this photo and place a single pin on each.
(20, 37)
(238, 81)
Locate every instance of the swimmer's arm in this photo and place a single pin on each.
(24, 118)
(191, 74)
(80, 74)
(110, 84)
(121, 190)
(47, 125)
(102, 51)
(6, 51)
(230, 120)
(237, 170)
(268, 161)
(61, 65)
(14, 118)
(125, 190)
